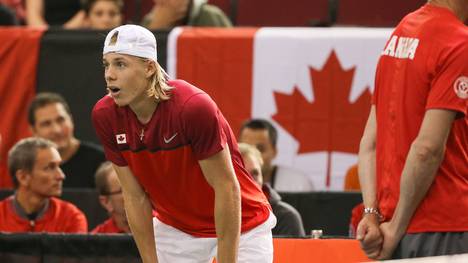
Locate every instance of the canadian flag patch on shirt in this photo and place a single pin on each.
(121, 138)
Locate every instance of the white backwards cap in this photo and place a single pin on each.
(131, 40)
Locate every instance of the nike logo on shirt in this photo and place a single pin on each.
(170, 139)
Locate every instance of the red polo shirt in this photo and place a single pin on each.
(163, 155)
(424, 66)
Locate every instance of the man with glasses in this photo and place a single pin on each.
(110, 197)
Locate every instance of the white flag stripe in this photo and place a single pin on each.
(172, 52)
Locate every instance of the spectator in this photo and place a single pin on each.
(7, 17)
(413, 156)
(34, 165)
(103, 14)
(111, 198)
(263, 135)
(50, 117)
(11, 12)
(45, 13)
(289, 221)
(172, 13)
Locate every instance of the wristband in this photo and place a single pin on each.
(373, 210)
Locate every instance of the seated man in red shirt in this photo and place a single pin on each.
(34, 164)
(111, 198)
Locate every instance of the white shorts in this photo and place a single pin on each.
(173, 245)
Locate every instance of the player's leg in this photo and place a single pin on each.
(256, 245)
(173, 245)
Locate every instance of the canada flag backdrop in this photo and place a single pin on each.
(314, 84)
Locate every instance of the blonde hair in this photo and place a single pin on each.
(159, 89)
(250, 150)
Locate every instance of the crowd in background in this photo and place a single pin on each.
(81, 163)
(107, 14)
(41, 166)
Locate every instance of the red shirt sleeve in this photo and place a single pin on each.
(203, 123)
(68, 216)
(449, 86)
(103, 129)
(375, 93)
(77, 222)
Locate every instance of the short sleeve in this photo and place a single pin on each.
(375, 93)
(104, 133)
(203, 125)
(449, 88)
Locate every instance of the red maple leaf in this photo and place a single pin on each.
(330, 122)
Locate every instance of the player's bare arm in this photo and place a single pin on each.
(139, 213)
(368, 229)
(34, 13)
(219, 173)
(423, 160)
(367, 161)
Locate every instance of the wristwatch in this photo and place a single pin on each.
(373, 210)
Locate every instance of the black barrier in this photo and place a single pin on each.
(328, 211)
(55, 248)
(70, 63)
(51, 248)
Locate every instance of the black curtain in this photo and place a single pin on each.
(55, 248)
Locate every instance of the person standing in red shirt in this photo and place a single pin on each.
(174, 151)
(34, 164)
(413, 157)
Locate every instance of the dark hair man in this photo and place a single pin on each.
(263, 135)
(50, 118)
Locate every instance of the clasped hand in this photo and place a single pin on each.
(377, 240)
